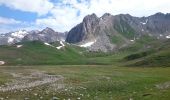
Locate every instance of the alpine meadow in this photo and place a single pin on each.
(84, 50)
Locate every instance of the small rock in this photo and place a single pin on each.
(41, 97)
(2, 62)
(26, 98)
(130, 99)
(35, 94)
(55, 98)
(1, 98)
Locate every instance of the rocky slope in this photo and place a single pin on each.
(47, 35)
(112, 32)
(12, 37)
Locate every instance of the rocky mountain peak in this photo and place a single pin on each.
(48, 30)
(106, 15)
(160, 16)
(89, 18)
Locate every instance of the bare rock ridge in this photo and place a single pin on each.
(83, 30)
(111, 32)
(46, 35)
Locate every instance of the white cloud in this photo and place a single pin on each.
(65, 14)
(62, 19)
(8, 21)
(41, 7)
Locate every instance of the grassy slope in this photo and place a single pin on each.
(38, 53)
(157, 55)
(145, 51)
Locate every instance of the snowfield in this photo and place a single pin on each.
(88, 44)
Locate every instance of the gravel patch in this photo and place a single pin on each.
(36, 78)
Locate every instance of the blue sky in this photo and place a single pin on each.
(62, 15)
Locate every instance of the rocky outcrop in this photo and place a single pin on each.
(91, 29)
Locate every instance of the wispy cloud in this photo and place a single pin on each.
(8, 21)
(41, 7)
(65, 14)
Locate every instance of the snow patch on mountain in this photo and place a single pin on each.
(144, 23)
(48, 44)
(62, 45)
(168, 36)
(10, 39)
(59, 47)
(88, 44)
(19, 46)
(19, 34)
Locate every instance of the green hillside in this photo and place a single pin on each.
(36, 53)
(158, 55)
(146, 51)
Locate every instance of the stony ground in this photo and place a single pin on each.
(34, 79)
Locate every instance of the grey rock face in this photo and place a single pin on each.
(127, 27)
(83, 30)
(155, 25)
(46, 35)
(91, 29)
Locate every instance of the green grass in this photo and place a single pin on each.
(36, 53)
(92, 75)
(144, 43)
(157, 55)
(161, 58)
(100, 83)
(143, 52)
(117, 40)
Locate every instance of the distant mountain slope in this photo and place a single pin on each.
(109, 32)
(46, 35)
(12, 37)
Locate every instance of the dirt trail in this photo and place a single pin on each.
(36, 78)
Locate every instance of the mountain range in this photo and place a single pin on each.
(105, 33)
(122, 40)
